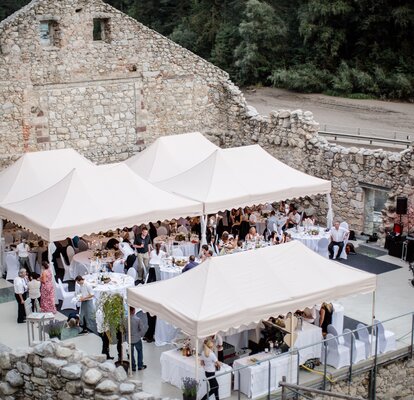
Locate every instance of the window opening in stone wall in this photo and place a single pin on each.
(101, 30)
(49, 33)
(374, 203)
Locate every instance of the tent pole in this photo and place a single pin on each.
(329, 215)
(372, 319)
(1, 247)
(129, 342)
(291, 331)
(196, 359)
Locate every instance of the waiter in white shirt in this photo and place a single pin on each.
(23, 254)
(20, 292)
(87, 309)
(338, 235)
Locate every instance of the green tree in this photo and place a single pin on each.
(262, 34)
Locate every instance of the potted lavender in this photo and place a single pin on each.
(189, 388)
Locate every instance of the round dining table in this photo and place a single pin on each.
(118, 283)
(307, 237)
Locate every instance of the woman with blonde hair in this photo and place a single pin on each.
(210, 364)
(325, 317)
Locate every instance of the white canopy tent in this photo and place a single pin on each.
(94, 199)
(234, 291)
(171, 155)
(239, 177)
(34, 172)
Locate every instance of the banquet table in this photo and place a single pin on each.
(254, 380)
(118, 284)
(309, 240)
(309, 335)
(83, 263)
(186, 247)
(174, 367)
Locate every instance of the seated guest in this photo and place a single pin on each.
(209, 254)
(156, 255)
(286, 237)
(274, 238)
(204, 251)
(338, 235)
(191, 264)
(119, 260)
(293, 219)
(111, 244)
(239, 247)
(252, 235)
(225, 243)
(125, 248)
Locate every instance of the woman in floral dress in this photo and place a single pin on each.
(47, 290)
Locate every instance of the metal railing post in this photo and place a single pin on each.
(352, 356)
(238, 392)
(297, 372)
(269, 380)
(207, 387)
(283, 388)
(412, 336)
(324, 364)
(374, 378)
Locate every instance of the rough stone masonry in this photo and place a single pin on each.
(81, 74)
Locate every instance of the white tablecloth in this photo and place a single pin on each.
(309, 335)
(82, 263)
(307, 239)
(118, 284)
(174, 367)
(254, 380)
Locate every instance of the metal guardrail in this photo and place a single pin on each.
(371, 139)
(371, 364)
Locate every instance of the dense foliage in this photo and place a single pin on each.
(359, 47)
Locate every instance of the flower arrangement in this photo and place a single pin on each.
(180, 237)
(104, 278)
(189, 387)
(54, 328)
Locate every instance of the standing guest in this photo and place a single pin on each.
(152, 232)
(23, 254)
(136, 340)
(33, 287)
(47, 290)
(20, 293)
(218, 342)
(338, 236)
(142, 244)
(87, 309)
(210, 363)
(103, 333)
(42, 252)
(271, 223)
(191, 264)
(325, 317)
(244, 226)
(112, 244)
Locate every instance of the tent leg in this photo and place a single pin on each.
(1, 247)
(129, 342)
(196, 360)
(329, 215)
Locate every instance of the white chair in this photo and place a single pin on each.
(332, 330)
(365, 337)
(343, 254)
(132, 272)
(58, 288)
(119, 267)
(68, 297)
(337, 355)
(70, 252)
(323, 244)
(386, 339)
(162, 231)
(182, 229)
(358, 347)
(13, 267)
(177, 252)
(82, 245)
(67, 276)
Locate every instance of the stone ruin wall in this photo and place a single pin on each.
(110, 100)
(55, 370)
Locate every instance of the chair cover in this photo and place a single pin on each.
(12, 266)
(365, 337)
(82, 245)
(323, 244)
(337, 354)
(358, 347)
(67, 276)
(182, 229)
(58, 290)
(119, 267)
(177, 252)
(70, 252)
(132, 272)
(67, 298)
(332, 330)
(162, 231)
(386, 339)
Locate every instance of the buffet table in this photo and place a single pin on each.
(254, 380)
(309, 335)
(174, 367)
(118, 283)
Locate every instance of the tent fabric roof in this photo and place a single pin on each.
(171, 155)
(95, 199)
(242, 176)
(236, 290)
(34, 172)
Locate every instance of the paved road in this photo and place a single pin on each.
(373, 117)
